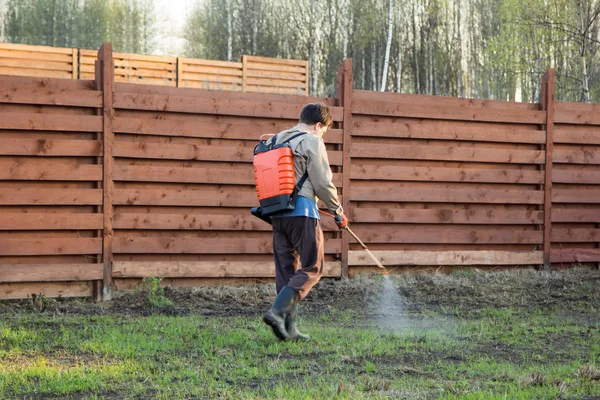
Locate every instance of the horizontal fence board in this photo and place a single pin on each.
(576, 215)
(364, 171)
(577, 113)
(434, 195)
(194, 152)
(22, 290)
(11, 170)
(50, 196)
(213, 105)
(445, 216)
(220, 269)
(579, 155)
(14, 54)
(444, 132)
(579, 196)
(199, 221)
(50, 272)
(577, 135)
(575, 176)
(575, 235)
(50, 147)
(445, 112)
(439, 153)
(226, 175)
(186, 128)
(50, 246)
(479, 257)
(50, 221)
(205, 198)
(50, 122)
(574, 255)
(39, 73)
(40, 96)
(386, 234)
(171, 245)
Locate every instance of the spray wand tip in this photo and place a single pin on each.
(385, 273)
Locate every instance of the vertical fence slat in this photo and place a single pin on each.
(107, 84)
(345, 100)
(548, 106)
(244, 69)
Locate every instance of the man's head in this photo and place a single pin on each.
(317, 117)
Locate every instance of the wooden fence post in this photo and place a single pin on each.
(547, 100)
(344, 99)
(105, 78)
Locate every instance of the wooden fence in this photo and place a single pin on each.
(104, 183)
(252, 74)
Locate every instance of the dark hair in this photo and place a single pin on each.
(316, 112)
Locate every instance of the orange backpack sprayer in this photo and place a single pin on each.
(274, 176)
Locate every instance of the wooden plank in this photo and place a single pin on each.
(195, 152)
(441, 153)
(437, 131)
(445, 216)
(192, 269)
(574, 235)
(50, 122)
(391, 234)
(105, 81)
(50, 196)
(42, 65)
(143, 57)
(578, 135)
(429, 100)
(276, 83)
(404, 193)
(187, 221)
(186, 245)
(57, 97)
(278, 68)
(466, 258)
(49, 272)
(144, 65)
(265, 75)
(577, 155)
(16, 83)
(49, 221)
(229, 175)
(548, 104)
(269, 60)
(47, 289)
(50, 147)
(405, 108)
(575, 176)
(198, 77)
(582, 215)
(211, 63)
(223, 95)
(35, 73)
(577, 113)
(211, 104)
(29, 56)
(199, 198)
(11, 170)
(75, 63)
(345, 93)
(190, 128)
(36, 49)
(579, 196)
(575, 255)
(364, 171)
(50, 246)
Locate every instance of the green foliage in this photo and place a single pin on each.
(155, 292)
(129, 24)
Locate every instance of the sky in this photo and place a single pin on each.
(171, 15)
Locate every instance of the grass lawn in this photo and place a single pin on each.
(468, 335)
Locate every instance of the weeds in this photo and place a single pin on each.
(155, 292)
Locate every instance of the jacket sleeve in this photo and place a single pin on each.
(320, 175)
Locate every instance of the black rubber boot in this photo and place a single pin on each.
(275, 317)
(291, 328)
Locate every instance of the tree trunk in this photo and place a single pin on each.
(373, 69)
(229, 32)
(583, 30)
(387, 48)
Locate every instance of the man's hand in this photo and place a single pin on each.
(341, 221)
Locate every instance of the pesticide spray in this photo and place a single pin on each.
(391, 305)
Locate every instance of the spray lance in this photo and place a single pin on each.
(347, 228)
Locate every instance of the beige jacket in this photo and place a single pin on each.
(310, 154)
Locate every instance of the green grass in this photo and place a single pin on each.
(449, 352)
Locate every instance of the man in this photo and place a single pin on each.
(298, 244)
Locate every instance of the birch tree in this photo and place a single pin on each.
(388, 46)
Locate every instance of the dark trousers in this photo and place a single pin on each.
(299, 253)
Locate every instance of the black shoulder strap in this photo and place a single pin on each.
(293, 137)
